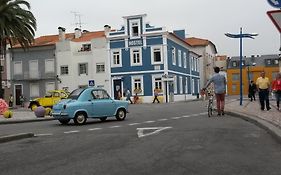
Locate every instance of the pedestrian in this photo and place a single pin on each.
(219, 82)
(155, 96)
(22, 101)
(252, 90)
(11, 100)
(276, 88)
(136, 99)
(263, 86)
(128, 96)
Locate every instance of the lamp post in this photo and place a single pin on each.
(241, 35)
(248, 70)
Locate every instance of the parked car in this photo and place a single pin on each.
(89, 102)
(51, 98)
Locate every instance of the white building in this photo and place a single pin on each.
(81, 57)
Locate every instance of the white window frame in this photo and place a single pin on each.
(100, 67)
(133, 80)
(175, 84)
(174, 60)
(184, 60)
(181, 84)
(33, 91)
(113, 54)
(17, 67)
(133, 53)
(179, 58)
(159, 82)
(63, 73)
(193, 86)
(153, 48)
(49, 65)
(79, 69)
(186, 85)
(131, 24)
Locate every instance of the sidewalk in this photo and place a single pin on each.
(21, 115)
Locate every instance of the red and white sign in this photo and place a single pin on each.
(275, 17)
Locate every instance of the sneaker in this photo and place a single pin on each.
(219, 114)
(268, 108)
(222, 112)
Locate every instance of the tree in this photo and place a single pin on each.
(17, 26)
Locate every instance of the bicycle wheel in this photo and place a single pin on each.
(210, 109)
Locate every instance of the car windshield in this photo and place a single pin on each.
(75, 94)
(48, 94)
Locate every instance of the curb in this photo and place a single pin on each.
(273, 130)
(25, 121)
(15, 137)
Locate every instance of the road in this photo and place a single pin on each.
(161, 139)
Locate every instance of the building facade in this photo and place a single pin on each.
(143, 58)
(251, 69)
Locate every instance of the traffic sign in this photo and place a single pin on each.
(275, 3)
(91, 82)
(275, 17)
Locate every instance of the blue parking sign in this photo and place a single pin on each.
(91, 82)
(275, 3)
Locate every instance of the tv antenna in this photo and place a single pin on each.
(77, 19)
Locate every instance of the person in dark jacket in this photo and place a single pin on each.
(252, 91)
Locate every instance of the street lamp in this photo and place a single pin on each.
(241, 35)
(248, 70)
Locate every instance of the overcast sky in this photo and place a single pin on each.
(207, 19)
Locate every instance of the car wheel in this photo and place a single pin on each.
(80, 118)
(64, 121)
(103, 119)
(121, 114)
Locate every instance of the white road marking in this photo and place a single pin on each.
(162, 119)
(115, 126)
(69, 132)
(149, 122)
(132, 124)
(175, 118)
(156, 130)
(94, 129)
(39, 135)
(186, 116)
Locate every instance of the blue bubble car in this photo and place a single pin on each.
(89, 102)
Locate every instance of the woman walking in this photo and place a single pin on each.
(276, 88)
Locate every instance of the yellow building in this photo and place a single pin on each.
(251, 69)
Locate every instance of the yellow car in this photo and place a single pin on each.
(52, 97)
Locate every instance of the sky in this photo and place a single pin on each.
(206, 19)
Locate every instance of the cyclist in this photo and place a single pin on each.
(219, 82)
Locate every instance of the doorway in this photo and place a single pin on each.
(18, 93)
(117, 88)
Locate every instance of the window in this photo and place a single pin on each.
(136, 58)
(158, 83)
(64, 70)
(17, 67)
(100, 67)
(175, 85)
(83, 69)
(268, 62)
(234, 88)
(116, 59)
(234, 63)
(179, 57)
(186, 85)
(34, 90)
(33, 69)
(156, 55)
(181, 85)
(85, 47)
(235, 77)
(174, 56)
(100, 94)
(135, 28)
(193, 86)
(184, 60)
(49, 65)
(276, 62)
(137, 85)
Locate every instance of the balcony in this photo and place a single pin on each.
(34, 76)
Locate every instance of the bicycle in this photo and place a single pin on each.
(210, 104)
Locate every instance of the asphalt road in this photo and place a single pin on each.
(159, 139)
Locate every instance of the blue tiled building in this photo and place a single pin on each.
(143, 58)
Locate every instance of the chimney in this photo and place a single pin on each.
(77, 33)
(107, 29)
(61, 33)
